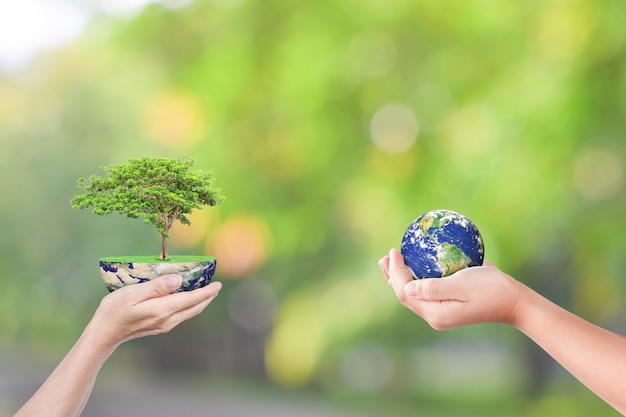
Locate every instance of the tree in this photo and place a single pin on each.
(162, 190)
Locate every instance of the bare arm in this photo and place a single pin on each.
(595, 356)
(128, 313)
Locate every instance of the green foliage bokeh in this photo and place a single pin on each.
(334, 124)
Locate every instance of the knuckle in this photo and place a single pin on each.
(428, 289)
(162, 317)
(160, 328)
(402, 297)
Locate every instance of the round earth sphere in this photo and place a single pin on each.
(441, 242)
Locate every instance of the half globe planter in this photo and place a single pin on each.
(196, 271)
(162, 191)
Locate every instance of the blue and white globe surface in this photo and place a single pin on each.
(441, 242)
(117, 273)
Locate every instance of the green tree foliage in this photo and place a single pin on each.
(162, 190)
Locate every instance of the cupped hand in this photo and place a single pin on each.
(148, 308)
(472, 295)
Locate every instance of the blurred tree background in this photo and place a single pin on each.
(330, 126)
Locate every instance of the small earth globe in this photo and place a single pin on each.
(441, 242)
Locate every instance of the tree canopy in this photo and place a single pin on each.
(162, 190)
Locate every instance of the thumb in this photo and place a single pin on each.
(166, 284)
(397, 268)
(433, 289)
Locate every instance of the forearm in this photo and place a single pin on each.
(67, 389)
(595, 356)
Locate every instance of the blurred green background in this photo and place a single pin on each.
(330, 126)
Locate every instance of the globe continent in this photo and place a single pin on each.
(441, 242)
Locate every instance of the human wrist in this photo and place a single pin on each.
(525, 303)
(99, 338)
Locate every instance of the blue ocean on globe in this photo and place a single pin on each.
(441, 242)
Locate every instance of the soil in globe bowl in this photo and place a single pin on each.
(441, 242)
(196, 271)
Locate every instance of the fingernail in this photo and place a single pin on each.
(174, 281)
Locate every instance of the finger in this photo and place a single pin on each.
(450, 288)
(427, 289)
(399, 275)
(185, 305)
(156, 287)
(179, 316)
(188, 299)
(383, 263)
(163, 285)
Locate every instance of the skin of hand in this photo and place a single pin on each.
(130, 312)
(592, 354)
(472, 295)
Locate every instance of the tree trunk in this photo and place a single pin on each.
(164, 252)
(167, 224)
